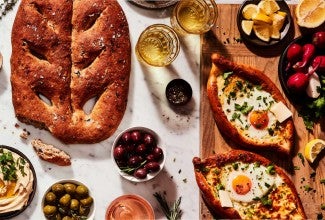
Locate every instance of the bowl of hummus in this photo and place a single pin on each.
(17, 182)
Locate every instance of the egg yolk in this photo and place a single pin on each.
(259, 119)
(241, 184)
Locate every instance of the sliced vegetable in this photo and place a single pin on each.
(321, 61)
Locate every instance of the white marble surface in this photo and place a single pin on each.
(147, 106)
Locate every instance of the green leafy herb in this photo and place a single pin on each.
(301, 158)
(10, 166)
(322, 181)
(266, 201)
(130, 170)
(296, 167)
(308, 188)
(226, 74)
(172, 212)
(270, 169)
(245, 109)
(220, 187)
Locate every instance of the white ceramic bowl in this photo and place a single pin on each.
(150, 175)
(91, 214)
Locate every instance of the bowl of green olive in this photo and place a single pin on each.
(67, 200)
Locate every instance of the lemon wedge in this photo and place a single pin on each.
(268, 6)
(277, 24)
(247, 26)
(249, 11)
(313, 149)
(261, 17)
(263, 31)
(282, 13)
(310, 14)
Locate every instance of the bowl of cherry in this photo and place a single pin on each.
(137, 154)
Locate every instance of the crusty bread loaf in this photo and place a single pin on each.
(65, 53)
(213, 172)
(50, 153)
(243, 76)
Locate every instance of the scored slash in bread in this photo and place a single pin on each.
(65, 55)
(282, 138)
(50, 153)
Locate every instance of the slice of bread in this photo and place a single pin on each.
(50, 153)
(241, 99)
(217, 174)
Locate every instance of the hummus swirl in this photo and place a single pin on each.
(14, 195)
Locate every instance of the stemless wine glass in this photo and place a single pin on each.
(158, 45)
(194, 16)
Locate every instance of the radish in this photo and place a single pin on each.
(308, 53)
(321, 61)
(299, 81)
(319, 39)
(294, 54)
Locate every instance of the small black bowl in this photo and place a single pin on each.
(12, 214)
(253, 39)
(178, 92)
(283, 74)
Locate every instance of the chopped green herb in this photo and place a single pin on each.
(220, 187)
(296, 168)
(245, 109)
(270, 169)
(235, 166)
(266, 201)
(322, 181)
(308, 188)
(322, 206)
(10, 166)
(226, 74)
(257, 164)
(301, 158)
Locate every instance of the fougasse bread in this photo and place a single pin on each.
(66, 54)
(242, 185)
(248, 108)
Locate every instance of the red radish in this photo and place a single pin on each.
(294, 54)
(320, 61)
(299, 81)
(308, 53)
(319, 39)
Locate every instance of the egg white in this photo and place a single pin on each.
(260, 101)
(261, 181)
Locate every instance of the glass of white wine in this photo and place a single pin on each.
(194, 16)
(158, 45)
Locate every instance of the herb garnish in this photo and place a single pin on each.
(270, 169)
(301, 158)
(6, 6)
(172, 213)
(10, 166)
(322, 181)
(130, 170)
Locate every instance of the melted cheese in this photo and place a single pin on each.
(238, 98)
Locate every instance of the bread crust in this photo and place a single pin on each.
(49, 153)
(71, 52)
(219, 160)
(219, 66)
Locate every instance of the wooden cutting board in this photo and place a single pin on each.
(223, 39)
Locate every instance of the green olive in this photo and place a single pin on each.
(82, 191)
(70, 188)
(50, 197)
(87, 201)
(67, 218)
(58, 189)
(49, 210)
(65, 200)
(74, 205)
(84, 211)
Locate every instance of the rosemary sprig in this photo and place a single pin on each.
(6, 6)
(130, 170)
(172, 213)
